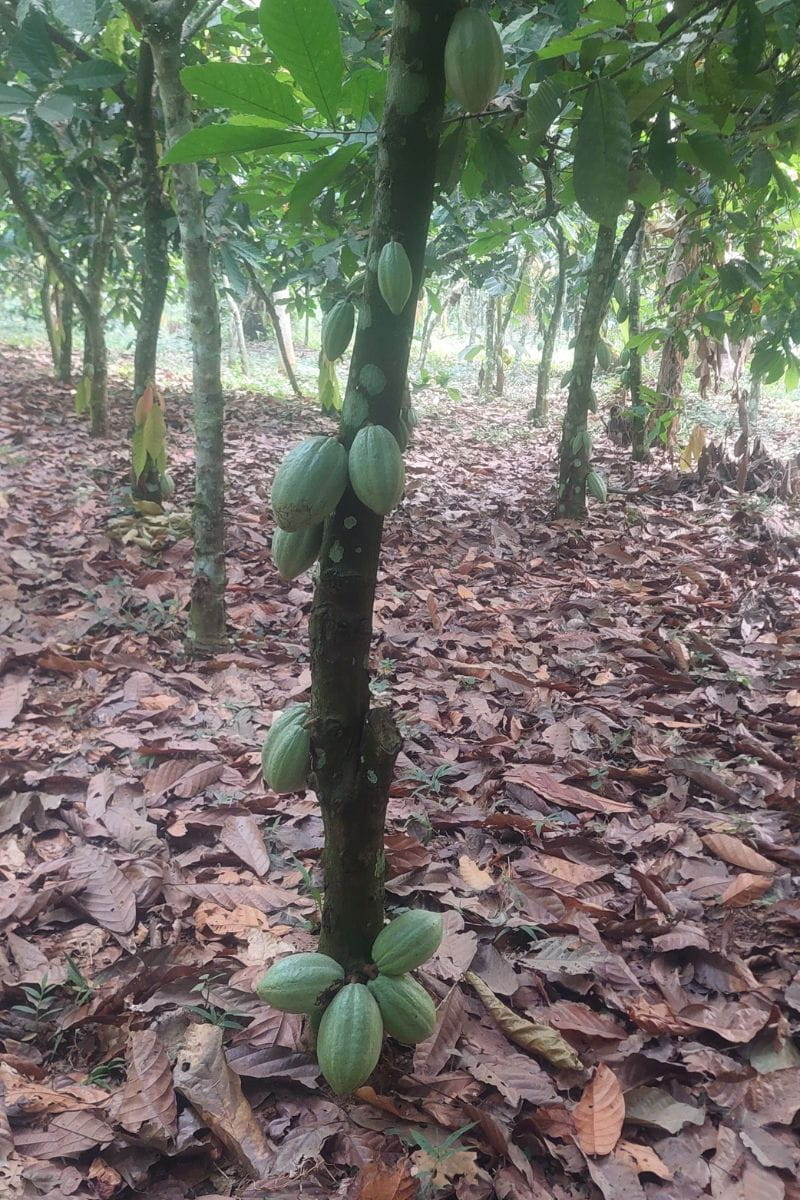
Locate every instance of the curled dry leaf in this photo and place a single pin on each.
(736, 852)
(430, 1056)
(474, 877)
(148, 1097)
(106, 895)
(243, 838)
(643, 1159)
(215, 1093)
(531, 1036)
(599, 1113)
(379, 1181)
(744, 889)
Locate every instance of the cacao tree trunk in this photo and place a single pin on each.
(542, 404)
(47, 298)
(638, 423)
(353, 748)
(664, 420)
(105, 217)
(274, 320)
(65, 315)
(64, 271)
(162, 29)
(575, 450)
(154, 275)
(237, 330)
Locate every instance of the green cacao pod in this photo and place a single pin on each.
(407, 941)
(167, 485)
(394, 277)
(349, 1041)
(337, 329)
(406, 1008)
(375, 464)
(596, 486)
(294, 553)
(473, 59)
(286, 753)
(406, 424)
(309, 483)
(295, 984)
(605, 358)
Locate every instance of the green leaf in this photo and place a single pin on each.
(602, 153)
(304, 37)
(750, 36)
(319, 176)
(610, 12)
(567, 12)
(97, 73)
(497, 160)
(154, 433)
(213, 140)
(761, 167)
(662, 157)
(82, 395)
(138, 452)
(544, 106)
(710, 153)
(55, 108)
(450, 159)
(244, 88)
(77, 15)
(14, 100)
(30, 49)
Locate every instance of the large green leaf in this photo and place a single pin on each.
(14, 100)
(544, 106)
(244, 88)
(750, 36)
(710, 153)
(602, 153)
(304, 37)
(97, 73)
(319, 176)
(214, 140)
(77, 15)
(662, 158)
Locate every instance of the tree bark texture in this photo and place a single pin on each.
(638, 413)
(207, 612)
(575, 451)
(665, 418)
(353, 749)
(105, 218)
(156, 212)
(542, 404)
(275, 322)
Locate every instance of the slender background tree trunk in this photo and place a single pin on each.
(354, 749)
(207, 614)
(542, 405)
(638, 416)
(575, 452)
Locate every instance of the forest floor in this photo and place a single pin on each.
(599, 789)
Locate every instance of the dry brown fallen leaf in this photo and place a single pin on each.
(736, 852)
(443, 1170)
(744, 889)
(203, 1076)
(474, 876)
(599, 1113)
(378, 1181)
(531, 1036)
(642, 1159)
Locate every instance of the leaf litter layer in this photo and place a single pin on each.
(598, 789)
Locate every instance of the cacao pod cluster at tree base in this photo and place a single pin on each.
(473, 59)
(353, 1015)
